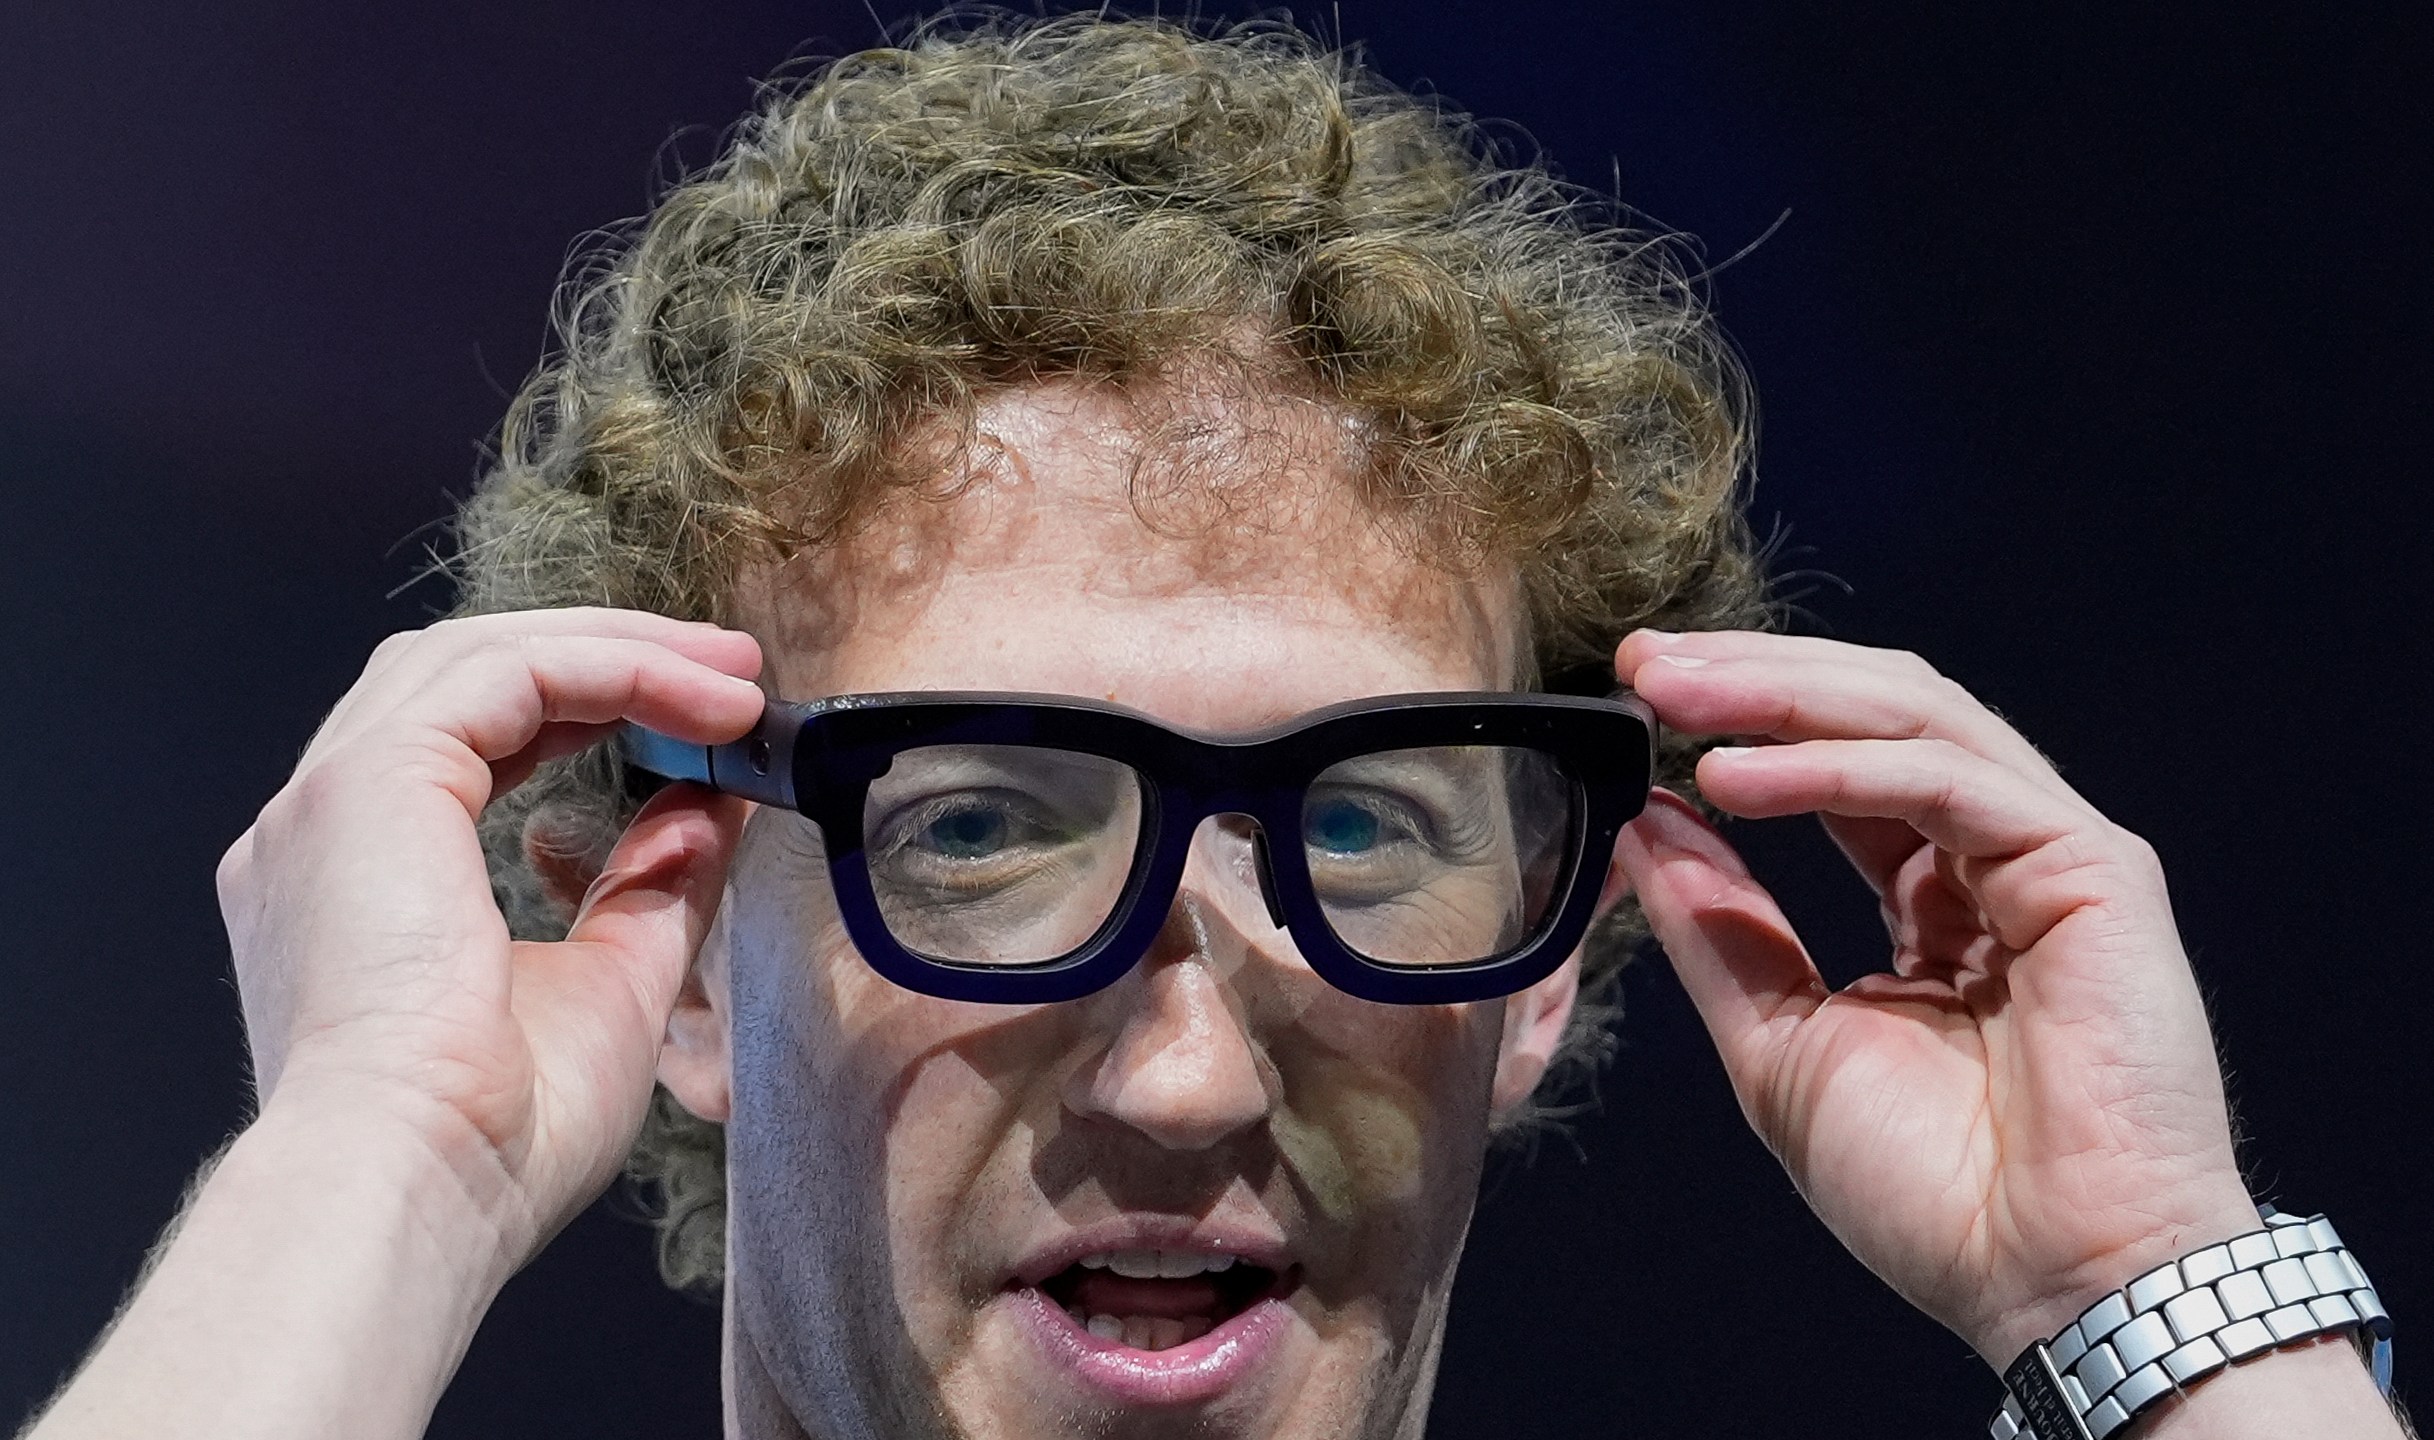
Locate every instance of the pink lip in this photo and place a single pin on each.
(1190, 1373)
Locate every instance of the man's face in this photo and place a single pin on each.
(1216, 1198)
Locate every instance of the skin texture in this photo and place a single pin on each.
(893, 1157)
(2021, 1112)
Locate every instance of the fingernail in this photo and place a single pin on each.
(1687, 662)
(752, 685)
(1662, 637)
(1732, 752)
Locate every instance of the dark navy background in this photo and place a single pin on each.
(2095, 363)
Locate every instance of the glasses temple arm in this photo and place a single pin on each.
(757, 767)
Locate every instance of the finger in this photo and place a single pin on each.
(1738, 958)
(1959, 800)
(1794, 696)
(555, 740)
(405, 663)
(2029, 857)
(1641, 646)
(494, 702)
(1934, 921)
(1928, 917)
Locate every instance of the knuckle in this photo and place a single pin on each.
(235, 870)
(2136, 851)
(498, 658)
(328, 782)
(1947, 693)
(2099, 850)
(460, 635)
(516, 648)
(534, 647)
(393, 645)
(1915, 664)
(488, 639)
(312, 789)
(1939, 758)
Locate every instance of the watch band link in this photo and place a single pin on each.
(2186, 1319)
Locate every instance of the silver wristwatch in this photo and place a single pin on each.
(2188, 1318)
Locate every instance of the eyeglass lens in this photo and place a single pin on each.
(1016, 855)
(999, 854)
(1440, 856)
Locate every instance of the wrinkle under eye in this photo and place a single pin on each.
(967, 844)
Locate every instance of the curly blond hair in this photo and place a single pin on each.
(996, 201)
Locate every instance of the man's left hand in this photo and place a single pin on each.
(2024, 1110)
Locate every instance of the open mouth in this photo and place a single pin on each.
(1158, 1299)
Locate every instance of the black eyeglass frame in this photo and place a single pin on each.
(820, 757)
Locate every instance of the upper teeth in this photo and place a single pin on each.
(1157, 1264)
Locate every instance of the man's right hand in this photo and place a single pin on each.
(436, 1098)
(378, 978)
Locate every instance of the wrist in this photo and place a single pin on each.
(2277, 1290)
(324, 1280)
(2315, 1389)
(2062, 1292)
(419, 1164)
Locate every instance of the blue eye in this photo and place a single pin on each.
(1340, 827)
(970, 834)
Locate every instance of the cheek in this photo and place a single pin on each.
(916, 1108)
(807, 1216)
(957, 1160)
(801, 1121)
(1385, 1113)
(860, 1130)
(808, 1143)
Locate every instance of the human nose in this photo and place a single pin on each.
(1184, 1066)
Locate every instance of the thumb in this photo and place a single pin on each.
(594, 1008)
(646, 915)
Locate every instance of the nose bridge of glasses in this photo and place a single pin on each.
(1228, 853)
(1265, 870)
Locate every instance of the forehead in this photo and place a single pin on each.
(1204, 554)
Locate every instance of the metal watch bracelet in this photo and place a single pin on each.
(2186, 1319)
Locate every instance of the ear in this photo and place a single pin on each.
(693, 1059)
(1534, 1022)
(1535, 1019)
